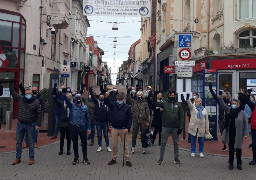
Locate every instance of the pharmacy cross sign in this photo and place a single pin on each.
(185, 54)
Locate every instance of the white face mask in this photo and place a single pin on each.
(115, 90)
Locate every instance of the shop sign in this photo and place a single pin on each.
(199, 67)
(184, 71)
(64, 70)
(210, 70)
(185, 63)
(169, 69)
(234, 64)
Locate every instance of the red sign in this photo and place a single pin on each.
(199, 66)
(210, 70)
(234, 64)
(169, 69)
(185, 54)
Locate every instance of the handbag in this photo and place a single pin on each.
(207, 135)
(64, 124)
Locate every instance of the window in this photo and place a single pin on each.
(247, 38)
(53, 46)
(36, 80)
(246, 9)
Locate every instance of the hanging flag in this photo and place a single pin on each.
(130, 8)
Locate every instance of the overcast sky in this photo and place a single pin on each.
(127, 34)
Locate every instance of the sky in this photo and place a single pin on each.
(128, 32)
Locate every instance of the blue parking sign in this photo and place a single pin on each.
(185, 40)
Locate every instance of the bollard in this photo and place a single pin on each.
(8, 120)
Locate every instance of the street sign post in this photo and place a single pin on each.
(185, 54)
(185, 40)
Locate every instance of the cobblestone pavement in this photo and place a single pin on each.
(49, 165)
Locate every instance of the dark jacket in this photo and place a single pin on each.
(121, 115)
(157, 120)
(173, 114)
(101, 112)
(103, 90)
(65, 111)
(133, 96)
(57, 109)
(112, 97)
(28, 111)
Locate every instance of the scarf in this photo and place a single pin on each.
(233, 113)
(32, 99)
(200, 112)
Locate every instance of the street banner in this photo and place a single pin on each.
(128, 8)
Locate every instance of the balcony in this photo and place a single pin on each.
(19, 3)
(60, 14)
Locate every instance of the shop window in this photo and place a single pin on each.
(16, 35)
(23, 36)
(247, 80)
(247, 38)
(36, 80)
(10, 17)
(6, 33)
(246, 9)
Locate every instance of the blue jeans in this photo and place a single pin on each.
(82, 132)
(34, 137)
(193, 144)
(57, 125)
(102, 126)
(92, 131)
(21, 129)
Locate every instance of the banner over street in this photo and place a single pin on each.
(130, 8)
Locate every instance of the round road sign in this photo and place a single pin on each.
(185, 54)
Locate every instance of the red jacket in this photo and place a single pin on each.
(253, 119)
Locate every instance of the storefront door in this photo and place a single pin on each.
(227, 81)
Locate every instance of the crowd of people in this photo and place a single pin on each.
(83, 113)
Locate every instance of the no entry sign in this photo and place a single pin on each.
(185, 54)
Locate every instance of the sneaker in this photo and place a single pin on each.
(193, 154)
(252, 162)
(61, 152)
(86, 161)
(160, 161)
(239, 166)
(177, 161)
(128, 163)
(112, 162)
(143, 151)
(99, 149)
(132, 151)
(224, 149)
(201, 155)
(250, 145)
(109, 149)
(75, 162)
(68, 152)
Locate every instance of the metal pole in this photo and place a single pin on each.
(184, 127)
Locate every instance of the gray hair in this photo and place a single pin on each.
(237, 101)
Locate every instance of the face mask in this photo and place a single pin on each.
(119, 102)
(73, 93)
(133, 91)
(194, 97)
(160, 98)
(90, 96)
(145, 95)
(140, 98)
(101, 100)
(60, 90)
(198, 104)
(68, 90)
(148, 91)
(109, 91)
(171, 98)
(34, 92)
(233, 106)
(115, 90)
(252, 100)
(28, 96)
(78, 101)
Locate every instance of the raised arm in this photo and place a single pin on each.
(214, 95)
(190, 105)
(225, 107)
(22, 89)
(94, 99)
(183, 100)
(15, 95)
(69, 104)
(107, 103)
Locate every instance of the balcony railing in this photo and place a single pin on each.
(60, 14)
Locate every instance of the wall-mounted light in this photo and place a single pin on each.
(115, 40)
(115, 26)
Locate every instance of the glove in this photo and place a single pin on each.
(179, 132)
(249, 91)
(188, 96)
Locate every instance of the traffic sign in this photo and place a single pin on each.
(185, 63)
(87, 69)
(185, 40)
(185, 54)
(169, 69)
(184, 71)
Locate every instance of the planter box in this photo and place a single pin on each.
(245, 50)
(227, 51)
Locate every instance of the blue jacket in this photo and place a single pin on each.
(57, 109)
(248, 111)
(79, 115)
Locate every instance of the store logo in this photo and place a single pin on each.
(143, 11)
(88, 9)
(3, 59)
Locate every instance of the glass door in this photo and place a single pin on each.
(227, 83)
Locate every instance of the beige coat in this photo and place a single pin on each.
(202, 125)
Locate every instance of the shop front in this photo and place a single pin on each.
(12, 55)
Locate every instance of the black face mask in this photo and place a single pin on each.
(171, 98)
(160, 99)
(34, 92)
(140, 98)
(78, 101)
(101, 100)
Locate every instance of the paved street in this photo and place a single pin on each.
(49, 165)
